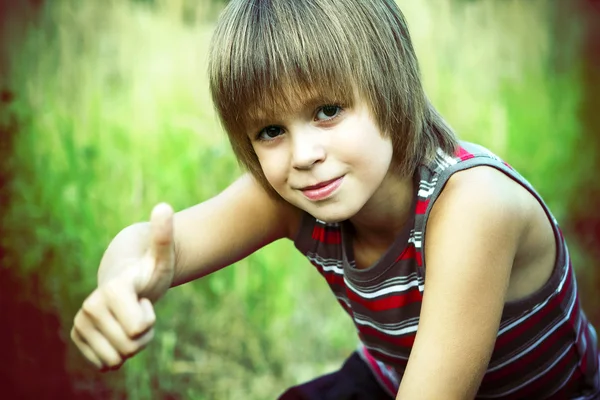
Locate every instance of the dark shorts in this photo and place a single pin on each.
(354, 381)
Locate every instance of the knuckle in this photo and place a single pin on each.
(92, 304)
(135, 331)
(111, 290)
(132, 330)
(130, 349)
(79, 325)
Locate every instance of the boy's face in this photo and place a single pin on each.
(324, 158)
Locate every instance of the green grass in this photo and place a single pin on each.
(114, 116)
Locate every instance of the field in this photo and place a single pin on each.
(105, 112)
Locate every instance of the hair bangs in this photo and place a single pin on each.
(274, 62)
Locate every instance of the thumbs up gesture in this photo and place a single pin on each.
(116, 321)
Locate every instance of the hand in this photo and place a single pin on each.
(116, 321)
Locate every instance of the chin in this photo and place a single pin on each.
(329, 211)
(332, 214)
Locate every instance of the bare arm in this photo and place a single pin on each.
(212, 234)
(116, 320)
(229, 227)
(471, 240)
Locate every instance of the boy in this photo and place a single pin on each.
(452, 268)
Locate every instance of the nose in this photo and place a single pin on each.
(307, 149)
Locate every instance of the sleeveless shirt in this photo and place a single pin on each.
(545, 346)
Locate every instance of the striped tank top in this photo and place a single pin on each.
(545, 347)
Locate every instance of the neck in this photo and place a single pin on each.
(378, 223)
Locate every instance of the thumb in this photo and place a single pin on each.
(161, 252)
(161, 233)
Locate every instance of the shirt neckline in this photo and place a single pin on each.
(388, 258)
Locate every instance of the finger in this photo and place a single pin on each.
(86, 350)
(161, 228)
(125, 309)
(126, 345)
(98, 349)
(143, 340)
(148, 311)
(108, 355)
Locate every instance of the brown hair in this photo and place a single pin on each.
(266, 55)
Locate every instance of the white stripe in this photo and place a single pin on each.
(332, 224)
(381, 292)
(324, 261)
(391, 282)
(389, 372)
(391, 332)
(425, 193)
(449, 160)
(333, 268)
(592, 331)
(392, 326)
(396, 356)
(428, 184)
(415, 234)
(415, 241)
(345, 300)
(328, 265)
(441, 160)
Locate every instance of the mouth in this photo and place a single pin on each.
(322, 190)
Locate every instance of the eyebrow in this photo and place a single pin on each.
(268, 118)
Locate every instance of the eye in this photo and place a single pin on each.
(327, 112)
(269, 133)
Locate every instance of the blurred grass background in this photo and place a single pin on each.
(105, 111)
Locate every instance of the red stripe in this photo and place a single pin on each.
(388, 360)
(377, 371)
(345, 307)
(421, 207)
(398, 301)
(419, 258)
(405, 341)
(331, 277)
(408, 253)
(463, 154)
(327, 235)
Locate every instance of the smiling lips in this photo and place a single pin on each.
(322, 190)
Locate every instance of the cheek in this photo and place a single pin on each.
(372, 147)
(272, 167)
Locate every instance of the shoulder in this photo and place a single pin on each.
(482, 189)
(480, 201)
